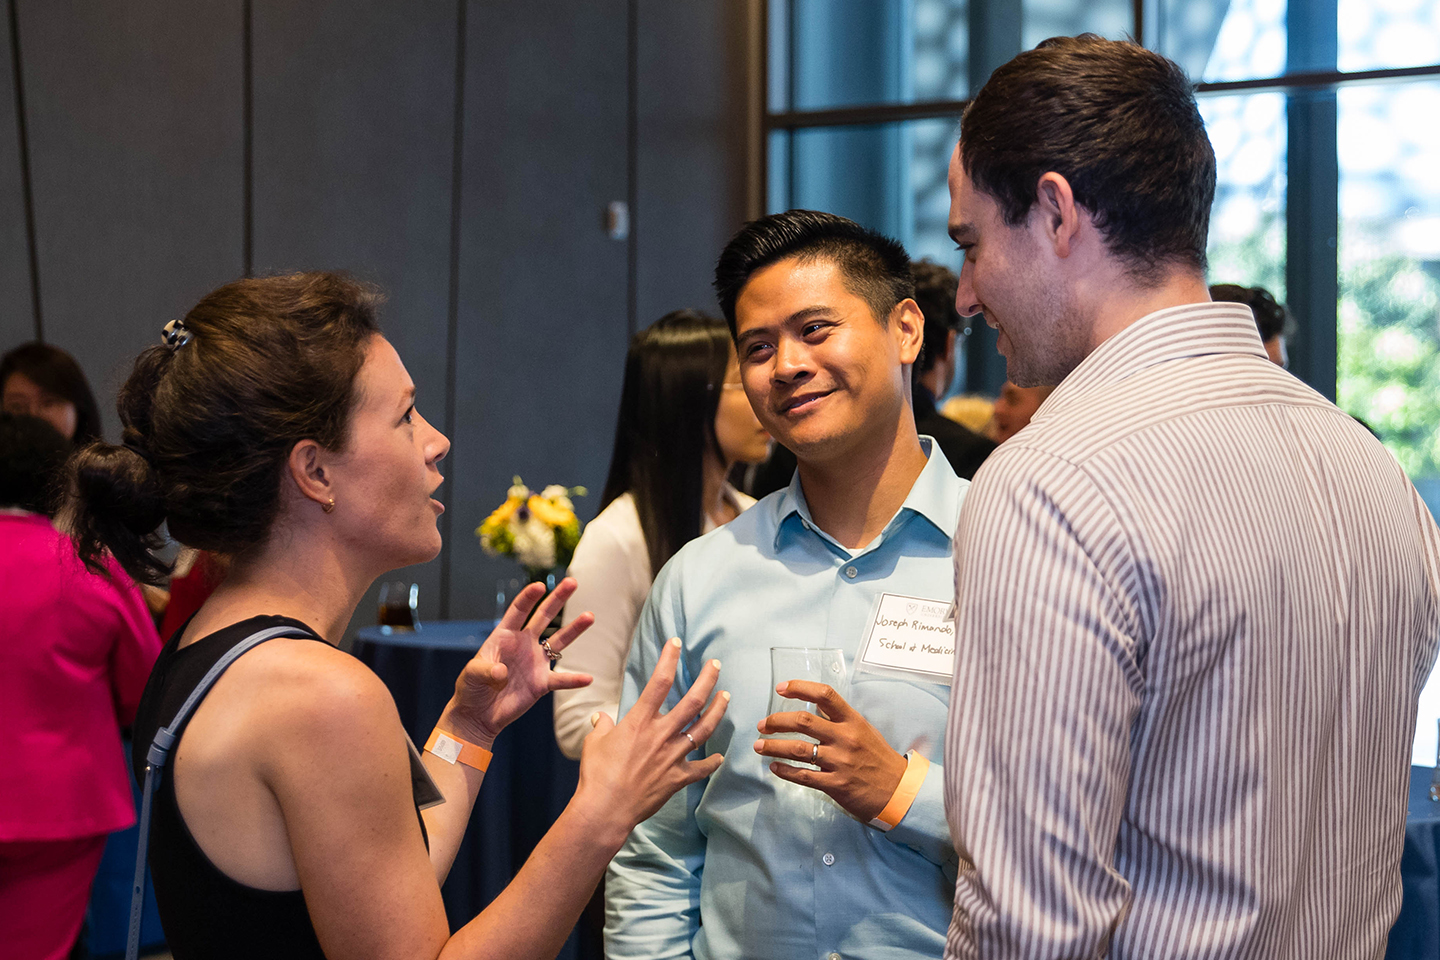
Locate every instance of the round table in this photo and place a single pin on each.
(1416, 933)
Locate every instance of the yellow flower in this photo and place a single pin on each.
(501, 516)
(549, 513)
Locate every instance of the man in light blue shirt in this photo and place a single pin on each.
(766, 859)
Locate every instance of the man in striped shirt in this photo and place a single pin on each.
(1195, 601)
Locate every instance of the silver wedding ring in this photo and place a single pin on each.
(691, 739)
(815, 754)
(550, 654)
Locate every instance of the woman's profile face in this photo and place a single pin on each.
(23, 396)
(737, 430)
(385, 479)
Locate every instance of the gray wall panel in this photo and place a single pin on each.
(690, 156)
(353, 133)
(135, 140)
(543, 290)
(17, 314)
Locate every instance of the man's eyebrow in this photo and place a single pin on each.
(799, 316)
(407, 397)
(962, 232)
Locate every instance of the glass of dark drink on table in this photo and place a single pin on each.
(398, 602)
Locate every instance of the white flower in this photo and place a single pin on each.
(534, 543)
(554, 492)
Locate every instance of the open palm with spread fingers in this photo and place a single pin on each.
(631, 768)
(511, 670)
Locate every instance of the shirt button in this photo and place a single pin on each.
(851, 572)
(828, 859)
(833, 956)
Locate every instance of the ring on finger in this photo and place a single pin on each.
(550, 654)
(686, 735)
(815, 754)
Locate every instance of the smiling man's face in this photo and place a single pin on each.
(823, 374)
(1007, 277)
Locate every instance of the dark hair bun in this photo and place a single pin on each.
(123, 509)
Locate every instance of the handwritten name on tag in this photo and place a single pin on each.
(911, 636)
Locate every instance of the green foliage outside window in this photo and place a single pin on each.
(1389, 356)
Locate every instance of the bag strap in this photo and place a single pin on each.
(159, 753)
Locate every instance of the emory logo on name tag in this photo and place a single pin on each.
(910, 636)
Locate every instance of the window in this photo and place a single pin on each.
(1322, 115)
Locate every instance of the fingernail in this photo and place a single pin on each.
(716, 664)
(674, 641)
(726, 695)
(783, 687)
(757, 745)
(594, 718)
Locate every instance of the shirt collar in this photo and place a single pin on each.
(1175, 333)
(935, 495)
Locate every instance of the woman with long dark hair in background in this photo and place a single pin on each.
(684, 421)
(276, 426)
(39, 380)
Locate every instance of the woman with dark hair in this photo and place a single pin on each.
(684, 421)
(74, 653)
(276, 426)
(39, 380)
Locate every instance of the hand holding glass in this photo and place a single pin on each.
(817, 664)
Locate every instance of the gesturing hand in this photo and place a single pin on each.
(858, 769)
(510, 671)
(628, 770)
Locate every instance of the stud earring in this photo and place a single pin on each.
(328, 507)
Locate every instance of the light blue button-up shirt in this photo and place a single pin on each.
(774, 869)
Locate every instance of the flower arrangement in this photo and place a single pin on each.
(540, 530)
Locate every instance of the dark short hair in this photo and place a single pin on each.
(1272, 318)
(209, 425)
(935, 288)
(875, 268)
(56, 372)
(1120, 123)
(674, 372)
(32, 453)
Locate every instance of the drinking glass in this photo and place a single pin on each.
(398, 603)
(819, 664)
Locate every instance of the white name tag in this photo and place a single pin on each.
(911, 637)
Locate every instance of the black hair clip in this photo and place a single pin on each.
(175, 335)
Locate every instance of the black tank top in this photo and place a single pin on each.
(207, 915)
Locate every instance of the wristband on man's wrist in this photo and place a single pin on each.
(452, 749)
(916, 767)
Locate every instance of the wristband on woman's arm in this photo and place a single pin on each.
(916, 767)
(452, 749)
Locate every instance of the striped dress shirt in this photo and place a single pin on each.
(1196, 604)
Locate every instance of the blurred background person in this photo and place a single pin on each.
(934, 369)
(684, 422)
(1274, 321)
(74, 655)
(971, 411)
(39, 380)
(1013, 410)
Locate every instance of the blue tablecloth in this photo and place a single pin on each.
(1416, 933)
(529, 781)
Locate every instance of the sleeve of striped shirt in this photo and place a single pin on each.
(1045, 695)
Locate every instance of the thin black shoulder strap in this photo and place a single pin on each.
(159, 753)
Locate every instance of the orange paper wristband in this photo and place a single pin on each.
(916, 767)
(452, 749)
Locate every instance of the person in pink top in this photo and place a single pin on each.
(75, 652)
